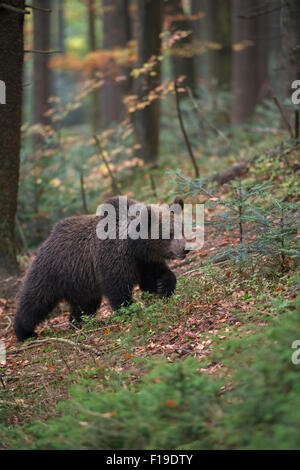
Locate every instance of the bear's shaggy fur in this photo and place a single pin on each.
(74, 265)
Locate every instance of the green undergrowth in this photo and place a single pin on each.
(252, 403)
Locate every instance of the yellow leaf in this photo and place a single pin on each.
(109, 414)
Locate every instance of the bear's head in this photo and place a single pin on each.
(160, 232)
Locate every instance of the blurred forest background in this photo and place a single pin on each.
(107, 69)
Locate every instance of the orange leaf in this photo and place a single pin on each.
(171, 403)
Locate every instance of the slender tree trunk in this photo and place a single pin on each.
(221, 33)
(250, 60)
(41, 85)
(149, 44)
(275, 48)
(95, 96)
(116, 34)
(61, 25)
(263, 54)
(11, 64)
(41, 74)
(201, 32)
(290, 24)
(183, 61)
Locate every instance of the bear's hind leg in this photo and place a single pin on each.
(30, 312)
(80, 308)
(119, 295)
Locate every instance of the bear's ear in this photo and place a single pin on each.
(178, 200)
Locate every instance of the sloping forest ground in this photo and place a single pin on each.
(210, 368)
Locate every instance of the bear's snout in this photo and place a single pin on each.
(178, 249)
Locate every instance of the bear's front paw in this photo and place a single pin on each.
(166, 284)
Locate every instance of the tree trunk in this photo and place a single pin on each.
(275, 48)
(11, 64)
(216, 27)
(290, 25)
(221, 33)
(41, 85)
(183, 61)
(95, 96)
(149, 44)
(41, 74)
(201, 32)
(116, 34)
(61, 25)
(250, 59)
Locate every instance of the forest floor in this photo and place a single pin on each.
(173, 329)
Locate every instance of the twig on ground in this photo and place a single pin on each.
(242, 168)
(186, 261)
(38, 342)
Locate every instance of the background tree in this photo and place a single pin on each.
(290, 24)
(274, 30)
(201, 33)
(116, 34)
(11, 63)
(147, 120)
(214, 26)
(221, 33)
(42, 73)
(183, 62)
(61, 25)
(95, 96)
(41, 85)
(250, 58)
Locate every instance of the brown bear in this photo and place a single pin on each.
(77, 266)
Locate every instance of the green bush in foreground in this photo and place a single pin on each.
(176, 406)
(170, 406)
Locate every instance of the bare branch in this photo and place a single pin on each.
(83, 194)
(46, 10)
(214, 128)
(261, 13)
(114, 182)
(187, 142)
(14, 9)
(285, 119)
(32, 51)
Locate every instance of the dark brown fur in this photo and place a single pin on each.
(74, 265)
